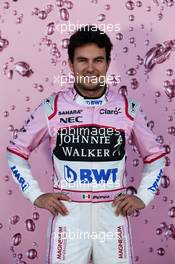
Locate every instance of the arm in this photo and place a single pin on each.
(153, 159)
(153, 165)
(28, 138)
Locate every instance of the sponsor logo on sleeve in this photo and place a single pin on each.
(155, 185)
(22, 182)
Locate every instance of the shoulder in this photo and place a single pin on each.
(131, 107)
(50, 103)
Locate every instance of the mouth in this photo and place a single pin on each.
(90, 75)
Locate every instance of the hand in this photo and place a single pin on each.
(127, 204)
(52, 202)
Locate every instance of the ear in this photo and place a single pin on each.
(70, 65)
(108, 64)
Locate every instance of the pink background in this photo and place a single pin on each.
(25, 33)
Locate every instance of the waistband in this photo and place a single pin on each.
(92, 196)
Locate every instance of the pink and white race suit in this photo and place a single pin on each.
(87, 139)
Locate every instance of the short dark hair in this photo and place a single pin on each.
(86, 35)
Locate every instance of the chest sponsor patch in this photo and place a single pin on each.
(90, 143)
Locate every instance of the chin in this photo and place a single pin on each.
(91, 87)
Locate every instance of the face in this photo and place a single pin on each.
(89, 67)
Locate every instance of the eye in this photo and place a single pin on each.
(82, 60)
(99, 60)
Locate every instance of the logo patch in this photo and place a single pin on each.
(94, 102)
(90, 175)
(155, 185)
(71, 112)
(105, 111)
(22, 182)
(89, 143)
(71, 119)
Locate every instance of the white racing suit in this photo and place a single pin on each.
(87, 139)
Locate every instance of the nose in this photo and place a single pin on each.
(90, 67)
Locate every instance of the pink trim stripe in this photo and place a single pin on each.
(126, 109)
(130, 241)
(154, 159)
(51, 241)
(55, 108)
(113, 190)
(17, 153)
(92, 201)
(92, 196)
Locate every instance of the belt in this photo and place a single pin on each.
(92, 196)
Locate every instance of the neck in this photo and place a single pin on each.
(91, 94)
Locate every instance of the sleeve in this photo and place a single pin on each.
(153, 158)
(29, 137)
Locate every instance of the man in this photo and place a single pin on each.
(88, 125)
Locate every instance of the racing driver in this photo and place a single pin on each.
(88, 124)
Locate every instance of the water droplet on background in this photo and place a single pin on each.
(6, 114)
(119, 36)
(69, 4)
(160, 251)
(135, 162)
(101, 17)
(159, 231)
(64, 14)
(36, 216)
(59, 3)
(123, 90)
(65, 43)
(42, 14)
(107, 7)
(165, 181)
(32, 253)
(171, 212)
(16, 239)
(14, 220)
(50, 28)
(130, 5)
(23, 68)
(131, 72)
(30, 225)
(131, 190)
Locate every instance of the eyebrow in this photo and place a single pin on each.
(81, 57)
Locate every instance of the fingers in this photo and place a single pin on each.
(126, 204)
(121, 206)
(119, 199)
(62, 196)
(52, 202)
(127, 210)
(52, 210)
(59, 207)
(130, 211)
